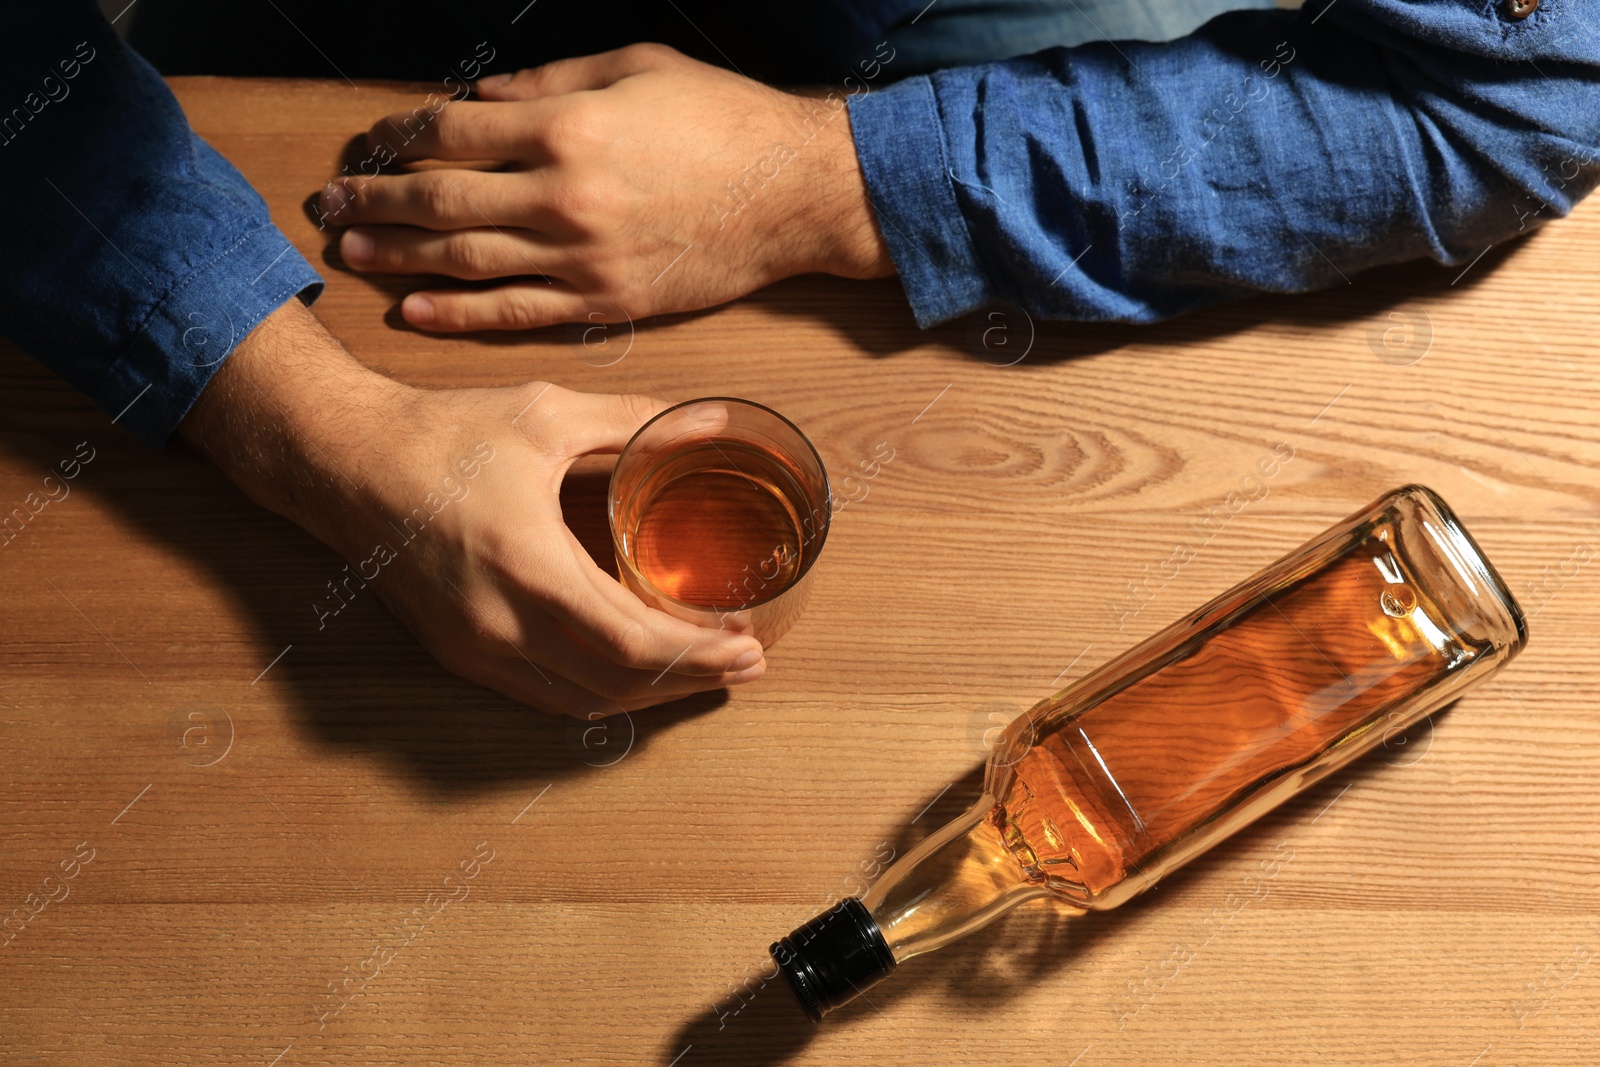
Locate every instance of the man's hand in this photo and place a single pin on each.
(446, 503)
(637, 182)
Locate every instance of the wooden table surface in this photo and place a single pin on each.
(269, 828)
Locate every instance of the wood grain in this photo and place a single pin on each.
(1435, 904)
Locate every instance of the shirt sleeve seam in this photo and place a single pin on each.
(947, 172)
(165, 299)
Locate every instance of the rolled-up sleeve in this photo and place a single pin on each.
(133, 257)
(1270, 151)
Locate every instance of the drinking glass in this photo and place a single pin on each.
(719, 508)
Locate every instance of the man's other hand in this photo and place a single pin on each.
(633, 183)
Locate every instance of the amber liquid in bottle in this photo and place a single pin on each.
(1103, 792)
(1122, 777)
(719, 524)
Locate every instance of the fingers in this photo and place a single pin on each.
(560, 654)
(605, 423)
(433, 199)
(631, 633)
(590, 604)
(473, 254)
(516, 306)
(523, 647)
(659, 649)
(527, 683)
(465, 130)
(575, 75)
(524, 681)
(622, 599)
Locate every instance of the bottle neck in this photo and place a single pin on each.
(960, 879)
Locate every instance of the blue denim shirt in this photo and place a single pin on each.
(1270, 151)
(133, 257)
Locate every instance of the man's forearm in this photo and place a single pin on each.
(1269, 151)
(127, 280)
(281, 409)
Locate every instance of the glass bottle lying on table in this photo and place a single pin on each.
(1127, 774)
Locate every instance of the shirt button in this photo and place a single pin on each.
(1519, 9)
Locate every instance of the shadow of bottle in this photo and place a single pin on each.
(762, 1025)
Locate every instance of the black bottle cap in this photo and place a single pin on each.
(833, 957)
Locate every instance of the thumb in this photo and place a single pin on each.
(694, 422)
(604, 422)
(607, 422)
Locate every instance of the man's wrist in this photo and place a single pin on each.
(859, 248)
(287, 416)
(837, 221)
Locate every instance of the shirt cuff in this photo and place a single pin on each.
(899, 139)
(183, 341)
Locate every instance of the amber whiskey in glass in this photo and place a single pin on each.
(719, 508)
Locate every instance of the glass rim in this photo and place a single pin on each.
(611, 506)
